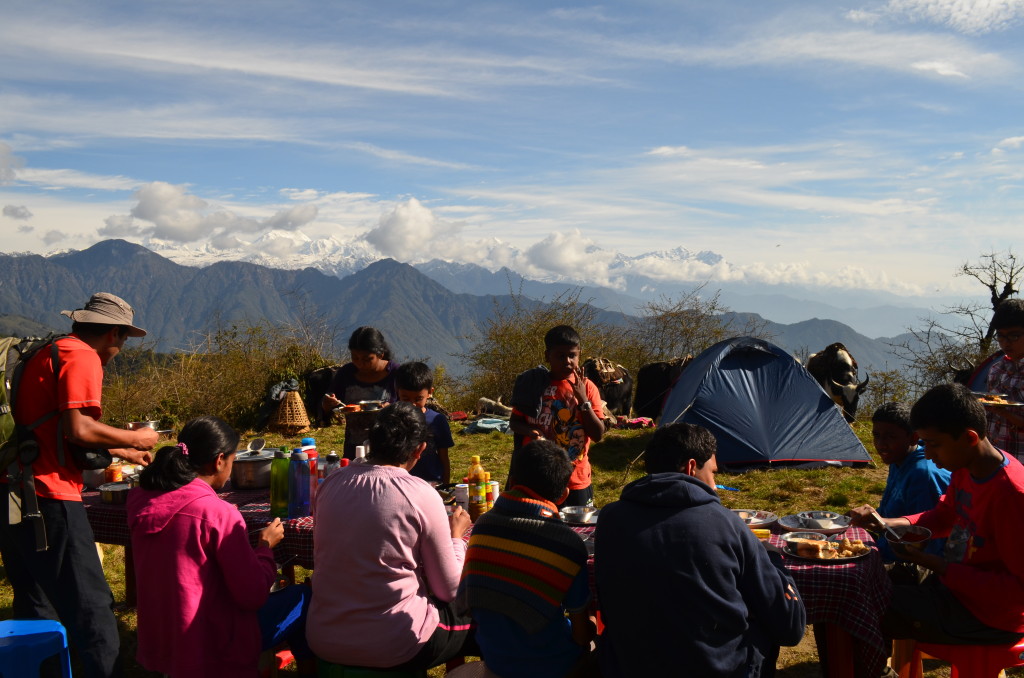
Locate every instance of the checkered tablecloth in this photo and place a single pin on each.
(110, 521)
(853, 595)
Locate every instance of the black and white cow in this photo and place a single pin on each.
(836, 370)
(613, 381)
(653, 383)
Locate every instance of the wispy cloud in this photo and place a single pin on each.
(973, 17)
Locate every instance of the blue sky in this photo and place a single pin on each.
(873, 144)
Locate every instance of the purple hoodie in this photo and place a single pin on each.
(200, 583)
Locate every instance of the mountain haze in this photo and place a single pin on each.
(421, 317)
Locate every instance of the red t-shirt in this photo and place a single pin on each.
(984, 548)
(560, 421)
(78, 386)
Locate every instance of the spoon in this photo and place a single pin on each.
(890, 533)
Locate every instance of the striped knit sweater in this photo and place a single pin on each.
(522, 559)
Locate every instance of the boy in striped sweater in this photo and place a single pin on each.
(525, 570)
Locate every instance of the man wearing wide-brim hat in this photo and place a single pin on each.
(63, 388)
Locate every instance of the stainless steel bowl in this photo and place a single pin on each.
(823, 520)
(136, 425)
(579, 514)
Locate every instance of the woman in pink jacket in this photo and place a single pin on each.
(201, 584)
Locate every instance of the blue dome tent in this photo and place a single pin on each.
(763, 408)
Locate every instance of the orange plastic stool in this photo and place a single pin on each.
(974, 661)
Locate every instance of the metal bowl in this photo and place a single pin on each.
(754, 518)
(136, 425)
(910, 536)
(579, 514)
(370, 405)
(823, 520)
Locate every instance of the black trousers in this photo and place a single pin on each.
(65, 583)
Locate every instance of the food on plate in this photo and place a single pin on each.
(849, 548)
(815, 548)
(830, 550)
(995, 399)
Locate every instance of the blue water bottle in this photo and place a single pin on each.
(298, 485)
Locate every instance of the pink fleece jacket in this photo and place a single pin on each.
(200, 583)
(382, 547)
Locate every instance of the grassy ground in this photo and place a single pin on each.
(782, 491)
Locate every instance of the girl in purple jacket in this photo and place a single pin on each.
(203, 589)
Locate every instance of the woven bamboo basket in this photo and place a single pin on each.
(290, 418)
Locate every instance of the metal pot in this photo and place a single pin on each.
(94, 477)
(114, 493)
(251, 470)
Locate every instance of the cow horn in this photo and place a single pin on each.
(864, 384)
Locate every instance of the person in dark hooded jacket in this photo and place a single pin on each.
(682, 582)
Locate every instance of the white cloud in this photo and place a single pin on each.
(292, 218)
(19, 212)
(1011, 142)
(119, 226)
(567, 254)
(8, 163)
(973, 17)
(300, 193)
(59, 179)
(53, 237)
(410, 232)
(25, 228)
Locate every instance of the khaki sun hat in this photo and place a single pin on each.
(107, 309)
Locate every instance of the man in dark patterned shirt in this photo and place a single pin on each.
(1006, 424)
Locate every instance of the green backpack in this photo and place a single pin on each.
(17, 443)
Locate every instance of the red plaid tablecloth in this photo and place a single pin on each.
(853, 595)
(110, 521)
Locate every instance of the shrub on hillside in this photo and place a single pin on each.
(226, 373)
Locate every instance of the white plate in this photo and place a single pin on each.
(792, 523)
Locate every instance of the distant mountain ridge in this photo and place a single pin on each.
(421, 317)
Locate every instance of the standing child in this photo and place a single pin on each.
(415, 384)
(203, 589)
(1005, 425)
(562, 405)
(525, 569)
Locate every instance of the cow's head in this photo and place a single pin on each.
(847, 396)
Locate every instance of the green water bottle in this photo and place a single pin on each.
(279, 485)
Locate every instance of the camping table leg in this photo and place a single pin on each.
(130, 591)
(840, 651)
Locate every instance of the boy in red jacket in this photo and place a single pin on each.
(976, 594)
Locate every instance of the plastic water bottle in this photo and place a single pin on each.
(360, 455)
(279, 485)
(332, 464)
(298, 485)
(309, 447)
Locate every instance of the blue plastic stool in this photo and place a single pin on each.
(25, 643)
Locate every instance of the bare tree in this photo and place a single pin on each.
(668, 328)
(948, 347)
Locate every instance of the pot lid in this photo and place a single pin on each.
(113, 487)
(244, 456)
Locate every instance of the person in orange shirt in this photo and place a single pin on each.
(559, 403)
(66, 581)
